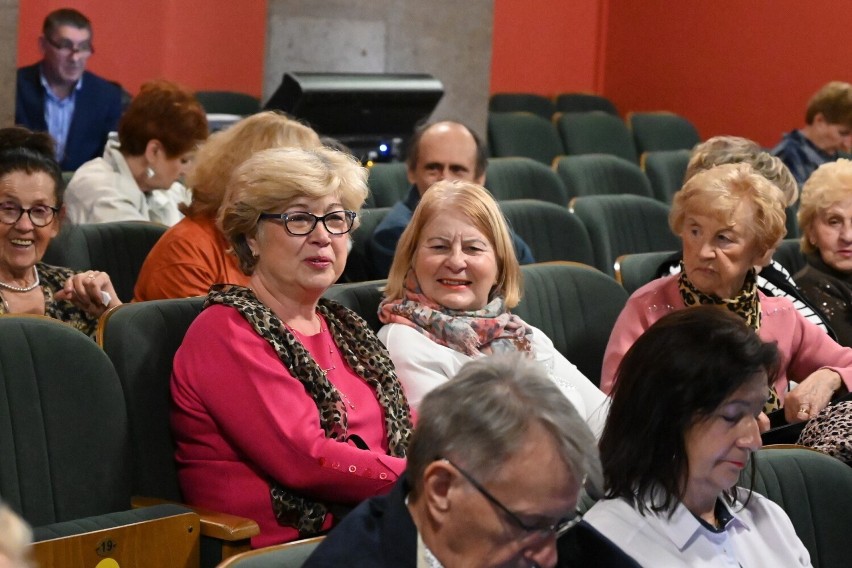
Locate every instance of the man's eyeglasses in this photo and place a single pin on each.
(65, 47)
(300, 223)
(541, 530)
(40, 215)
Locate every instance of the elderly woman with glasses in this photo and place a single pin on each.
(287, 409)
(30, 216)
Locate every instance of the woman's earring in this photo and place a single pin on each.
(149, 172)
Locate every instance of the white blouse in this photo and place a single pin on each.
(421, 365)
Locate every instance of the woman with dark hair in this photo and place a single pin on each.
(30, 216)
(135, 179)
(682, 426)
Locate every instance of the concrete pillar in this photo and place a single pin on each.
(445, 38)
(8, 60)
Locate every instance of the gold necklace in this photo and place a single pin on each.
(346, 400)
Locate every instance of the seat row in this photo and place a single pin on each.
(105, 427)
(573, 133)
(659, 176)
(546, 107)
(596, 230)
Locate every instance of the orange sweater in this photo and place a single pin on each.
(186, 261)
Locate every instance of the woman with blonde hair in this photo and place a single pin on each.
(454, 279)
(730, 219)
(825, 220)
(193, 255)
(286, 408)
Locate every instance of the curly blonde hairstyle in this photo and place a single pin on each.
(734, 150)
(829, 184)
(226, 150)
(718, 193)
(478, 205)
(272, 179)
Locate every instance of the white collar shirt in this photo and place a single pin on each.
(758, 535)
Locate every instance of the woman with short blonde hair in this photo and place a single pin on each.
(825, 221)
(729, 219)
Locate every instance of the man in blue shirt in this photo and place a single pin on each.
(57, 94)
(437, 151)
(827, 132)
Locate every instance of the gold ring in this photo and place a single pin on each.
(803, 409)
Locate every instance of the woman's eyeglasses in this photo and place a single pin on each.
(40, 215)
(300, 223)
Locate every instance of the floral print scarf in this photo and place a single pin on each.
(492, 329)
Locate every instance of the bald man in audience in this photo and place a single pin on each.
(495, 469)
(437, 151)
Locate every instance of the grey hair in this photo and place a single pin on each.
(480, 418)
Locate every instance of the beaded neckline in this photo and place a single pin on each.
(14, 288)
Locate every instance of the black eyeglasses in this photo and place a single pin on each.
(40, 215)
(65, 47)
(300, 223)
(541, 530)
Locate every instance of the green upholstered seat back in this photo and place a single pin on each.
(521, 102)
(635, 270)
(118, 249)
(624, 224)
(654, 131)
(789, 255)
(524, 178)
(141, 340)
(388, 183)
(228, 102)
(363, 298)
(584, 102)
(523, 134)
(601, 174)
(64, 451)
(816, 492)
(359, 266)
(551, 231)
(665, 170)
(576, 307)
(596, 132)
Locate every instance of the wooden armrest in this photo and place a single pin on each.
(216, 525)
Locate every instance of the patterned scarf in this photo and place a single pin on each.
(489, 330)
(746, 304)
(364, 354)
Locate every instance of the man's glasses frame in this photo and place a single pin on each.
(289, 219)
(68, 48)
(557, 529)
(6, 208)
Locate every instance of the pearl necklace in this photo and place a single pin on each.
(14, 288)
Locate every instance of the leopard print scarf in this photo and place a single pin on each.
(364, 354)
(746, 305)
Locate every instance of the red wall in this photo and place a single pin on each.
(202, 44)
(745, 68)
(547, 46)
